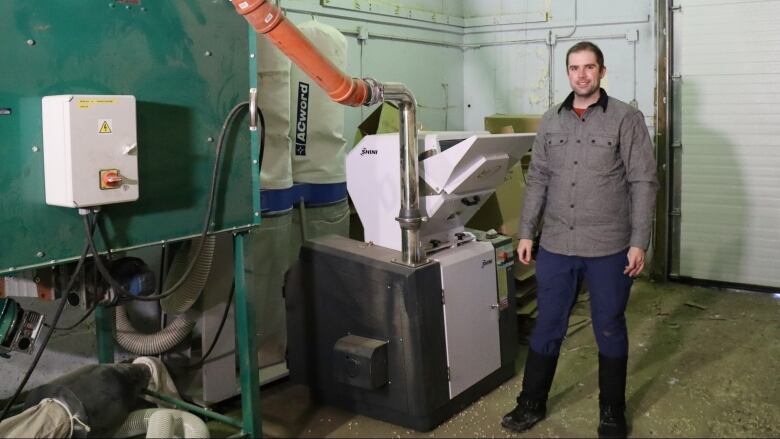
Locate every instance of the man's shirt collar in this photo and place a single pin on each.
(568, 103)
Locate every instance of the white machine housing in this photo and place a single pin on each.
(90, 149)
(458, 173)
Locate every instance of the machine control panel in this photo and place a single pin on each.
(505, 260)
(90, 149)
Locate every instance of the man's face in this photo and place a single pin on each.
(584, 73)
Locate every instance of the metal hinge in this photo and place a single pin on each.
(448, 374)
(676, 77)
(442, 297)
(676, 145)
(676, 212)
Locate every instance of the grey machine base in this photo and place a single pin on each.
(343, 289)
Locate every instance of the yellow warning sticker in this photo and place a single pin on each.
(104, 126)
(87, 103)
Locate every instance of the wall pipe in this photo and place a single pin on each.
(425, 27)
(459, 30)
(267, 19)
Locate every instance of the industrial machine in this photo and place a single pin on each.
(407, 344)
(134, 144)
(136, 133)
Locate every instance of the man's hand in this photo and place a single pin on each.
(524, 251)
(636, 261)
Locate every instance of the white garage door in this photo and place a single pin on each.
(727, 56)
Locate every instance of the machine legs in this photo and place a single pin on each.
(105, 334)
(247, 345)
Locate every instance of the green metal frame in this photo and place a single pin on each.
(247, 346)
(104, 329)
(247, 349)
(187, 64)
(196, 409)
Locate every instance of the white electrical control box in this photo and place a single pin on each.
(90, 150)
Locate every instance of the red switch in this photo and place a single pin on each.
(110, 179)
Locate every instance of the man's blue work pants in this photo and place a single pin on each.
(559, 278)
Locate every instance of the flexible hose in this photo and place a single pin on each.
(160, 425)
(179, 302)
(189, 292)
(151, 344)
(139, 422)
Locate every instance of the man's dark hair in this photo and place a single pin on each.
(586, 45)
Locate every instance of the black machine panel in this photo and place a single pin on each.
(343, 293)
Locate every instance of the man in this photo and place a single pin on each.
(592, 180)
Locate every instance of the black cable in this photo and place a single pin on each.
(80, 321)
(219, 330)
(262, 139)
(90, 247)
(119, 289)
(66, 292)
(45, 342)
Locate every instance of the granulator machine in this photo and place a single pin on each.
(410, 345)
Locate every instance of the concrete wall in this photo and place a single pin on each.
(493, 55)
(508, 45)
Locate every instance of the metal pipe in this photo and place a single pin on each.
(268, 20)
(428, 26)
(195, 409)
(409, 217)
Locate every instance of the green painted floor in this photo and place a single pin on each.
(703, 363)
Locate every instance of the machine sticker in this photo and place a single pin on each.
(302, 119)
(104, 126)
(88, 103)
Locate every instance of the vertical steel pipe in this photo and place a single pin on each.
(409, 216)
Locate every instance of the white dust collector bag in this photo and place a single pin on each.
(273, 83)
(317, 131)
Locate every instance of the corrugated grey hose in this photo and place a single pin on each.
(162, 423)
(178, 303)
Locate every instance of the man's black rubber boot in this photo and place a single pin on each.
(612, 421)
(532, 401)
(612, 397)
(525, 415)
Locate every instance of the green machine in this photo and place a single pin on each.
(186, 63)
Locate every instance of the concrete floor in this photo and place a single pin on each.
(703, 363)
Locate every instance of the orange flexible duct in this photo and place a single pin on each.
(268, 20)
